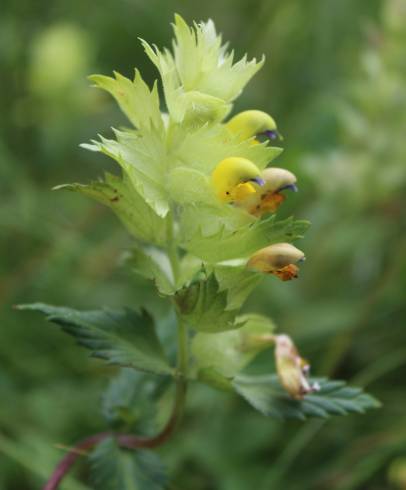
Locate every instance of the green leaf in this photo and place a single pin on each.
(265, 393)
(120, 336)
(195, 109)
(203, 306)
(213, 378)
(203, 148)
(113, 468)
(203, 64)
(190, 268)
(207, 221)
(200, 79)
(119, 195)
(238, 282)
(227, 244)
(227, 353)
(153, 264)
(138, 103)
(128, 401)
(142, 156)
(188, 185)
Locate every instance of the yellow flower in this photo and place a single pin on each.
(279, 259)
(251, 123)
(235, 178)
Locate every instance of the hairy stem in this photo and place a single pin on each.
(130, 441)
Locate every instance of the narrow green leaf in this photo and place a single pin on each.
(113, 468)
(265, 393)
(121, 336)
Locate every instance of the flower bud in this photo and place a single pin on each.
(292, 369)
(269, 197)
(247, 124)
(279, 259)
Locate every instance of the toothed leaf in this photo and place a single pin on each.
(203, 306)
(200, 79)
(113, 468)
(128, 401)
(203, 63)
(122, 336)
(265, 393)
(138, 103)
(227, 244)
(142, 156)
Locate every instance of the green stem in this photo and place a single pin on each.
(182, 334)
(182, 347)
(172, 247)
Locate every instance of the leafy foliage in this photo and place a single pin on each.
(141, 155)
(204, 306)
(200, 79)
(122, 337)
(138, 103)
(237, 282)
(233, 244)
(128, 402)
(265, 394)
(228, 352)
(113, 468)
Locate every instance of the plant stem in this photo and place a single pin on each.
(183, 356)
(130, 441)
(65, 464)
(172, 247)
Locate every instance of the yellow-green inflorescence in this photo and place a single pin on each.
(196, 183)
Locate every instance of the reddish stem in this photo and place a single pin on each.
(65, 464)
(127, 441)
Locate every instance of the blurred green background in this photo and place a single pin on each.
(335, 80)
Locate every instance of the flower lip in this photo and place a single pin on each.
(271, 134)
(258, 180)
(291, 187)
